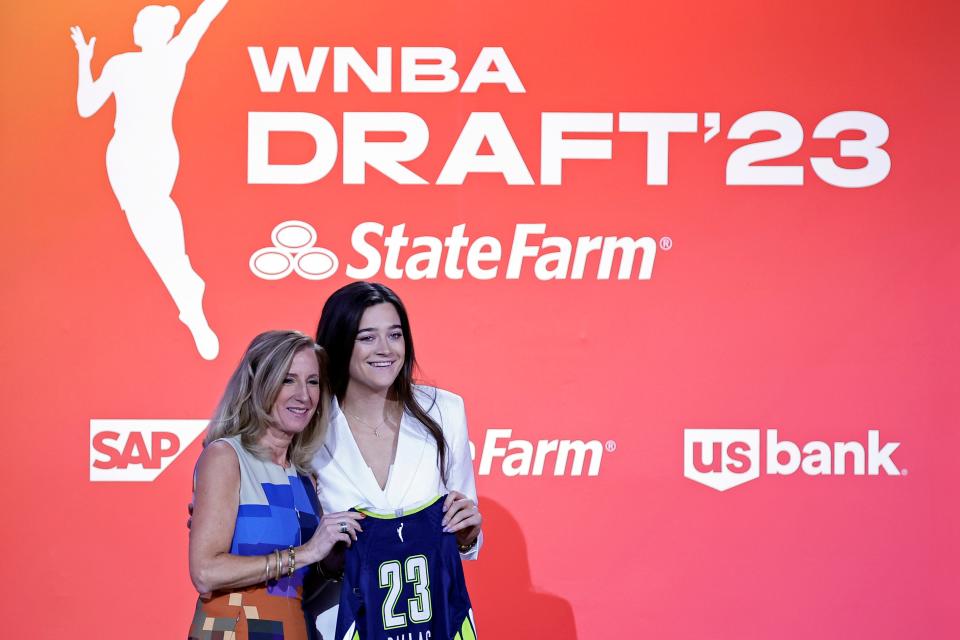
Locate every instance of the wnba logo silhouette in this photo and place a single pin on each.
(293, 251)
(143, 157)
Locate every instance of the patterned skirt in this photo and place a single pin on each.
(248, 614)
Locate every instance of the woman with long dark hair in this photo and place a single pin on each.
(392, 445)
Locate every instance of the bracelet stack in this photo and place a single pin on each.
(278, 564)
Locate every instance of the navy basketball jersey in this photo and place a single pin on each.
(403, 580)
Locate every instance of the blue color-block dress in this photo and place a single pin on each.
(278, 509)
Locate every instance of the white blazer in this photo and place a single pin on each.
(345, 481)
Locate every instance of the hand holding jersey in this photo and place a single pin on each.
(461, 516)
(403, 580)
(337, 527)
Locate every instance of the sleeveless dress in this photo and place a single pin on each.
(278, 509)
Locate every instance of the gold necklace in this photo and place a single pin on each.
(376, 428)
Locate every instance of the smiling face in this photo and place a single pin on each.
(378, 349)
(299, 394)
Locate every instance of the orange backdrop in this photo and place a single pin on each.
(819, 311)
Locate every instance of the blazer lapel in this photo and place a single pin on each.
(411, 449)
(346, 456)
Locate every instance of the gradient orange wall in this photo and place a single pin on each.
(815, 310)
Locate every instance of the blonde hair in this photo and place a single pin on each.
(246, 404)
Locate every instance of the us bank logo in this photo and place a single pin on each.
(721, 458)
(726, 458)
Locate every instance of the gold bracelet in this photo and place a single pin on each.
(279, 563)
(291, 561)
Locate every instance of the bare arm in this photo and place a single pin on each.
(91, 94)
(196, 25)
(216, 502)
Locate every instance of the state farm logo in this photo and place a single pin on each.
(518, 457)
(293, 251)
(726, 458)
(531, 251)
(138, 450)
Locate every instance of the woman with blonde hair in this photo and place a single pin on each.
(257, 523)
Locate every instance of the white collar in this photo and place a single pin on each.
(411, 453)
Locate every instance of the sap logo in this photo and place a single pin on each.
(726, 458)
(138, 450)
(523, 458)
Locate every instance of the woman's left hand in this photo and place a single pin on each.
(461, 516)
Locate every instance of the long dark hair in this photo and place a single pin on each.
(337, 333)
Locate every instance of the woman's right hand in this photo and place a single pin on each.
(329, 533)
(84, 48)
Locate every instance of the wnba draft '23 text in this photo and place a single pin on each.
(859, 136)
